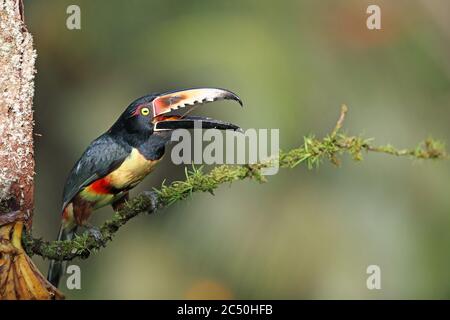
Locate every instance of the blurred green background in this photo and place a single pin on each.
(305, 234)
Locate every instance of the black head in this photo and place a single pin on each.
(137, 117)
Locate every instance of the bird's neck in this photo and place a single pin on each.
(154, 147)
(151, 146)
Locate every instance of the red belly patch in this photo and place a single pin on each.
(101, 186)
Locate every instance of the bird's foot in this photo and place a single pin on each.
(154, 200)
(94, 232)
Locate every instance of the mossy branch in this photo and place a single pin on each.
(312, 152)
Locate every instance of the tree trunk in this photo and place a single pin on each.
(19, 278)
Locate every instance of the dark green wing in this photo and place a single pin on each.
(102, 156)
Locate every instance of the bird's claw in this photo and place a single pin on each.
(95, 233)
(153, 196)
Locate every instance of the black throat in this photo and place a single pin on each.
(150, 145)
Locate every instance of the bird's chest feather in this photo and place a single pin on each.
(106, 190)
(134, 168)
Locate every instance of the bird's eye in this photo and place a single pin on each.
(145, 111)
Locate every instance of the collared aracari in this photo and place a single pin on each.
(122, 157)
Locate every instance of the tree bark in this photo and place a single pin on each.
(19, 278)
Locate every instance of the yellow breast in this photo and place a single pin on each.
(131, 171)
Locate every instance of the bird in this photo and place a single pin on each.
(119, 159)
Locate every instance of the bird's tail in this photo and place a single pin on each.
(57, 267)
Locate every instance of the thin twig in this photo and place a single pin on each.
(340, 122)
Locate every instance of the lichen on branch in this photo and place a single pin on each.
(17, 58)
(312, 152)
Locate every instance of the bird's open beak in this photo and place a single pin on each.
(170, 109)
